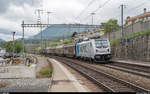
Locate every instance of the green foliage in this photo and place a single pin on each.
(29, 65)
(26, 56)
(135, 35)
(138, 34)
(46, 72)
(61, 43)
(114, 42)
(53, 44)
(17, 48)
(111, 25)
(67, 41)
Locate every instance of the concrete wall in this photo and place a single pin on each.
(138, 49)
(17, 72)
(140, 26)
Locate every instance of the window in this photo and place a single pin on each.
(101, 43)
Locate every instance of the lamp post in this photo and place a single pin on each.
(48, 14)
(92, 17)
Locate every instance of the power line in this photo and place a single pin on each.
(101, 6)
(129, 10)
(86, 17)
(90, 3)
(136, 6)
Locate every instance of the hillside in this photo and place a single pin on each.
(60, 31)
(1, 42)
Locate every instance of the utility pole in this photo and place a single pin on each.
(48, 14)
(23, 39)
(39, 22)
(13, 44)
(122, 29)
(39, 12)
(122, 10)
(92, 17)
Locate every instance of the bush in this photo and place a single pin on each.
(29, 65)
(53, 44)
(67, 41)
(135, 35)
(46, 72)
(113, 42)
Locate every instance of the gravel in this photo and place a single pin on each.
(135, 79)
(138, 80)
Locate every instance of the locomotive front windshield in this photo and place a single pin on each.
(101, 43)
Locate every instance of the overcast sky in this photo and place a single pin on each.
(12, 12)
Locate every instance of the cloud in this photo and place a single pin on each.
(5, 3)
(7, 37)
(12, 12)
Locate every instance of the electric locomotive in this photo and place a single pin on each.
(96, 50)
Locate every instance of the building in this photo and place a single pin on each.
(142, 17)
(90, 34)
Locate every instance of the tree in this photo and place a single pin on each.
(17, 48)
(111, 25)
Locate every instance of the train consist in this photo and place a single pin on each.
(95, 50)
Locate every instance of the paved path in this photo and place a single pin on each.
(15, 72)
(25, 85)
(131, 61)
(63, 80)
(32, 84)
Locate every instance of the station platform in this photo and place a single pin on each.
(136, 62)
(63, 80)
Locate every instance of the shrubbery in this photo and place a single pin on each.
(135, 35)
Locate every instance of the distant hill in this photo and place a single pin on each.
(1, 42)
(59, 31)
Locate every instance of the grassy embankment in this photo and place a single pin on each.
(135, 35)
(61, 43)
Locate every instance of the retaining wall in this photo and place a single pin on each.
(137, 49)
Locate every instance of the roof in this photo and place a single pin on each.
(147, 14)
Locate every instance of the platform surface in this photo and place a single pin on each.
(131, 61)
(63, 80)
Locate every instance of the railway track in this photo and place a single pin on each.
(139, 70)
(137, 67)
(128, 70)
(106, 81)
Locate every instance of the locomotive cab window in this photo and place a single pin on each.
(101, 43)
